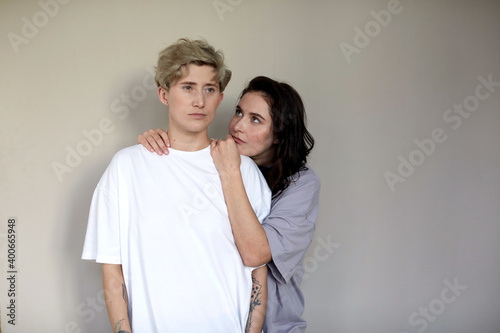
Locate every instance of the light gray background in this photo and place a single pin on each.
(381, 257)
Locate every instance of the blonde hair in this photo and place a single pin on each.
(184, 52)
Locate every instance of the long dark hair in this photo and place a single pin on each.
(289, 126)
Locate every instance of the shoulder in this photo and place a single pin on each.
(303, 192)
(248, 168)
(247, 163)
(252, 177)
(250, 172)
(127, 163)
(129, 159)
(306, 178)
(130, 154)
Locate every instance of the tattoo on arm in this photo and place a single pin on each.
(119, 323)
(255, 300)
(118, 327)
(124, 294)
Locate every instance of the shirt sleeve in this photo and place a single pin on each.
(256, 187)
(291, 225)
(102, 240)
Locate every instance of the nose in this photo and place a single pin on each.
(238, 125)
(199, 99)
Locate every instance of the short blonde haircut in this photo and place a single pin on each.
(184, 52)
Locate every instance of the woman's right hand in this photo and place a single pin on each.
(155, 140)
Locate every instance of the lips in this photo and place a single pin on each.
(197, 115)
(237, 140)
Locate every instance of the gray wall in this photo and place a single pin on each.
(407, 135)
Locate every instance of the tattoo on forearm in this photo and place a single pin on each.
(118, 327)
(255, 300)
(124, 294)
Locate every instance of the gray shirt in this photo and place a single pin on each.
(289, 228)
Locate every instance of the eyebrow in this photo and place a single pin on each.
(194, 83)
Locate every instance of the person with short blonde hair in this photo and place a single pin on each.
(170, 261)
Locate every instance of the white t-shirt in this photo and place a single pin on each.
(164, 219)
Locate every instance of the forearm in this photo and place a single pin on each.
(115, 294)
(249, 235)
(258, 301)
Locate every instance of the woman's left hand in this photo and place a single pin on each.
(226, 156)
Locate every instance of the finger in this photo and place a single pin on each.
(213, 148)
(142, 139)
(158, 145)
(165, 139)
(154, 140)
(230, 140)
(215, 144)
(155, 146)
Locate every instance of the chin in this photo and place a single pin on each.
(198, 127)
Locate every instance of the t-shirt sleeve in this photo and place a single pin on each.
(291, 225)
(102, 240)
(258, 191)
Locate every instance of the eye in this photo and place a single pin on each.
(255, 120)
(187, 87)
(238, 112)
(210, 90)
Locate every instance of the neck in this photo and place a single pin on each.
(188, 141)
(266, 159)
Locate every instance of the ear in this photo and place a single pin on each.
(220, 99)
(276, 140)
(163, 95)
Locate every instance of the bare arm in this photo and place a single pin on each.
(115, 294)
(249, 235)
(155, 140)
(258, 301)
